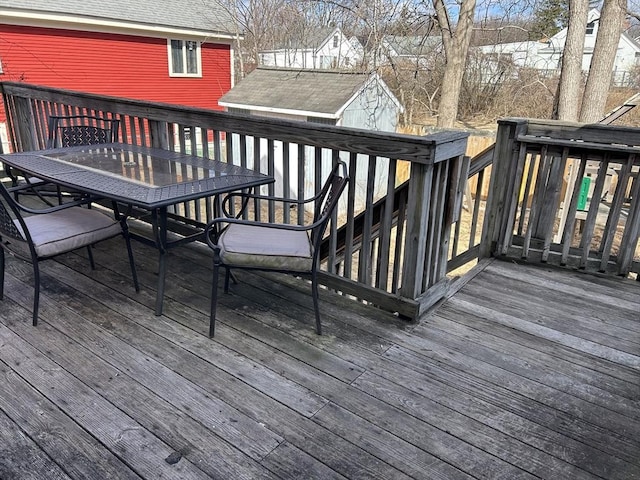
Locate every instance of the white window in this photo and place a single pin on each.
(335, 41)
(184, 58)
(590, 28)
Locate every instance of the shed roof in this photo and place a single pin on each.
(311, 91)
(189, 15)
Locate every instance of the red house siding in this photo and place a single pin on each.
(111, 64)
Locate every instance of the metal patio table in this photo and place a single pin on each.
(139, 177)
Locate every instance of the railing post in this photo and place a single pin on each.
(415, 246)
(159, 132)
(504, 169)
(24, 133)
(632, 233)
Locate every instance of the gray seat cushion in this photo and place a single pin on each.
(69, 229)
(264, 247)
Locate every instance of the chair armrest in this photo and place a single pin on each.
(55, 208)
(247, 196)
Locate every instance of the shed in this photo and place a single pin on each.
(342, 98)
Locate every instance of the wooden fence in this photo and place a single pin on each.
(390, 243)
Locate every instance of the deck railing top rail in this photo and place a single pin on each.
(414, 148)
(574, 135)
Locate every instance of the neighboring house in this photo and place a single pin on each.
(546, 56)
(158, 50)
(347, 99)
(318, 49)
(415, 49)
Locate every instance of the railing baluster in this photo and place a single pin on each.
(302, 160)
(567, 237)
(629, 243)
(286, 182)
(349, 231)
(399, 241)
(366, 244)
(384, 228)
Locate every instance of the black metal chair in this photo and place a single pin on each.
(46, 233)
(287, 248)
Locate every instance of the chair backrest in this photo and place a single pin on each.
(15, 237)
(73, 130)
(327, 200)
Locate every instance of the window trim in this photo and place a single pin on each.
(591, 26)
(198, 74)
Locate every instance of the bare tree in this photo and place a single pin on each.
(570, 85)
(455, 39)
(604, 55)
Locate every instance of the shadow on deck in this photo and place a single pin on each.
(526, 372)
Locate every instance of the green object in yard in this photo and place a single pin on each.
(584, 193)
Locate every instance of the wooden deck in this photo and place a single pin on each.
(526, 372)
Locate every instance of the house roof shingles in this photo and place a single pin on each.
(208, 16)
(408, 45)
(320, 91)
(311, 39)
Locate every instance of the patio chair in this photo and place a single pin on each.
(73, 130)
(46, 233)
(66, 131)
(287, 248)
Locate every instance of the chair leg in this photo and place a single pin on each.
(227, 276)
(90, 255)
(36, 292)
(214, 298)
(316, 301)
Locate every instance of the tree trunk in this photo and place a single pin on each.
(450, 92)
(456, 48)
(568, 97)
(604, 54)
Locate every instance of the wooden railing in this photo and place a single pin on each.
(467, 231)
(395, 256)
(566, 194)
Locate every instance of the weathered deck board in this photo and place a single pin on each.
(518, 375)
(21, 454)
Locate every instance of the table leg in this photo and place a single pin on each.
(159, 221)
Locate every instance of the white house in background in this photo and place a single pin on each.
(320, 49)
(416, 49)
(546, 55)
